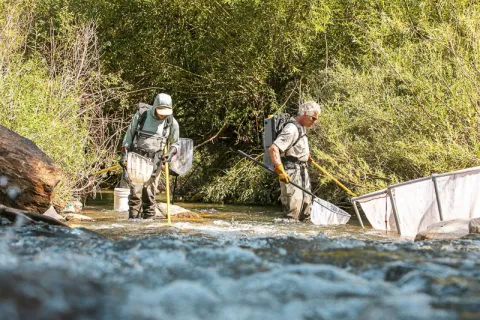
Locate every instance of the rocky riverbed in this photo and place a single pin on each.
(231, 263)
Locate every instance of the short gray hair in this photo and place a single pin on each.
(309, 108)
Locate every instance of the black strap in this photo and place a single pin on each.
(143, 118)
(300, 136)
(168, 124)
(293, 159)
(141, 122)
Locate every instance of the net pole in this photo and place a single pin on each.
(358, 214)
(395, 212)
(437, 196)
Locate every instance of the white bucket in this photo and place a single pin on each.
(120, 199)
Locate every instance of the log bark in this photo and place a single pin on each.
(13, 214)
(27, 175)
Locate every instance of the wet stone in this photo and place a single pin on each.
(51, 212)
(77, 217)
(451, 229)
(474, 226)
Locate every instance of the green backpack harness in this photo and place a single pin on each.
(139, 133)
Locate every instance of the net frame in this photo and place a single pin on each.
(441, 192)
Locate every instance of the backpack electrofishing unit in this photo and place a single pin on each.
(272, 127)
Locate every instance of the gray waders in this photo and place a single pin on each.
(296, 203)
(141, 200)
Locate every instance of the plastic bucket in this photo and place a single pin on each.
(120, 199)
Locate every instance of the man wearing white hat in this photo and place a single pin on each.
(151, 128)
(290, 153)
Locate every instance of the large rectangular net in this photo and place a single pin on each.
(414, 205)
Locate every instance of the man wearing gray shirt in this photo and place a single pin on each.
(290, 154)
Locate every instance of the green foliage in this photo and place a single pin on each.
(242, 183)
(398, 81)
(49, 94)
(411, 108)
(39, 109)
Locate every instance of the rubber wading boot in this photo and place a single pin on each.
(148, 213)
(133, 214)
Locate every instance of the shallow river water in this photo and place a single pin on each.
(232, 262)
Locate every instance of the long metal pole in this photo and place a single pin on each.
(243, 154)
(369, 195)
(358, 214)
(117, 166)
(437, 195)
(325, 172)
(394, 208)
(167, 187)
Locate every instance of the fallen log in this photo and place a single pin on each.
(13, 214)
(27, 175)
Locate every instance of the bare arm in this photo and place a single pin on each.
(275, 155)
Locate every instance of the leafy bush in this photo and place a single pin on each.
(398, 82)
(51, 95)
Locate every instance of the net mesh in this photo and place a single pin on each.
(378, 210)
(459, 195)
(325, 213)
(182, 160)
(417, 204)
(139, 168)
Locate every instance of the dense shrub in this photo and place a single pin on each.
(53, 93)
(398, 82)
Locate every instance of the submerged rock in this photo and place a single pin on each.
(77, 217)
(474, 225)
(451, 229)
(175, 211)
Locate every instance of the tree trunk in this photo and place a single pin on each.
(27, 175)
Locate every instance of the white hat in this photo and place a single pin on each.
(163, 104)
(309, 107)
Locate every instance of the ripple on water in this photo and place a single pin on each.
(224, 269)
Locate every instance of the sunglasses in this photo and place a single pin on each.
(313, 118)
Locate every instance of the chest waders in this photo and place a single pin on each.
(151, 145)
(300, 167)
(140, 137)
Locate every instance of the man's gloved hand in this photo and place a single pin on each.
(123, 159)
(167, 157)
(282, 174)
(310, 159)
